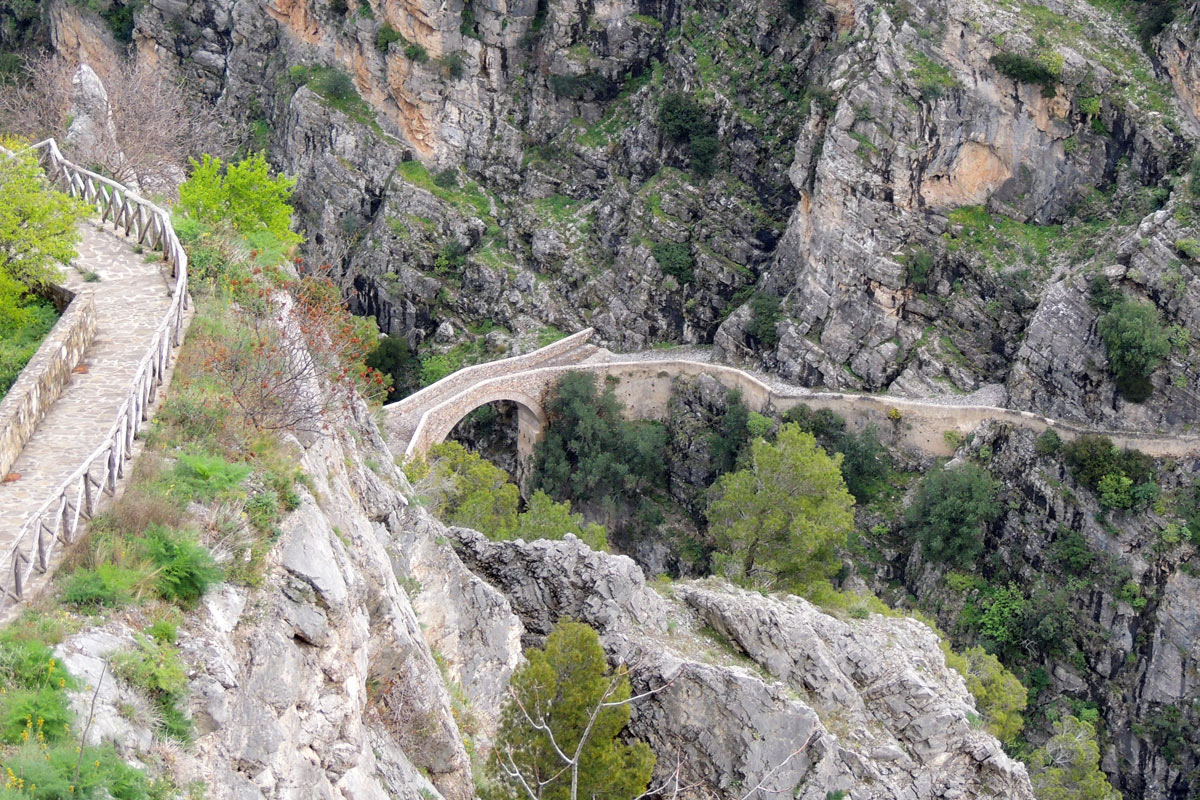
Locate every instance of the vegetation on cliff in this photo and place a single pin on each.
(37, 238)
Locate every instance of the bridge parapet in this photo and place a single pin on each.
(644, 388)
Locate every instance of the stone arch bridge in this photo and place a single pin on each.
(643, 385)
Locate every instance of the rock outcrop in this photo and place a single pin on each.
(376, 631)
(747, 690)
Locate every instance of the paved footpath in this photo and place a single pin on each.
(132, 296)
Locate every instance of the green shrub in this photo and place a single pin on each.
(119, 17)
(822, 423)
(24, 323)
(1023, 69)
(37, 223)
(950, 512)
(97, 773)
(204, 477)
(764, 316)
(1189, 248)
(334, 84)
(797, 8)
(545, 519)
(243, 194)
(1004, 616)
(998, 693)
(679, 115)
(154, 667)
(416, 52)
(185, 569)
(29, 664)
(1116, 491)
(675, 259)
(263, 510)
(452, 64)
(730, 434)
(1072, 552)
(683, 119)
(1090, 457)
(587, 86)
(446, 178)
(1131, 593)
(25, 713)
(106, 586)
(758, 426)
(164, 631)
(1049, 443)
(436, 366)
(477, 493)
(917, 268)
(704, 149)
(1137, 343)
(1102, 294)
(451, 258)
(392, 356)
(386, 37)
(865, 462)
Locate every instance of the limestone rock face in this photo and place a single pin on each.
(750, 690)
(296, 680)
(852, 145)
(1124, 622)
(91, 128)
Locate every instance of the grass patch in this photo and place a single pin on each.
(154, 667)
(469, 198)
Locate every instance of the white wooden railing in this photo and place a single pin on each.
(57, 520)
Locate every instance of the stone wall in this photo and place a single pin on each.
(44, 377)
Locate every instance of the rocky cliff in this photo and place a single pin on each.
(908, 215)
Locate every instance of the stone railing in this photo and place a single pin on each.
(469, 376)
(56, 521)
(44, 377)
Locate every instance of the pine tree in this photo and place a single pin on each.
(558, 737)
(1067, 767)
(779, 521)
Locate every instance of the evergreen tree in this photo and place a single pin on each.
(588, 452)
(558, 736)
(779, 521)
(545, 519)
(468, 490)
(1067, 767)
(950, 511)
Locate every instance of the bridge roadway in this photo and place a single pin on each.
(421, 420)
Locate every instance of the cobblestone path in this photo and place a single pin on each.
(132, 296)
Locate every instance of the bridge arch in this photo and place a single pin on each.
(531, 419)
